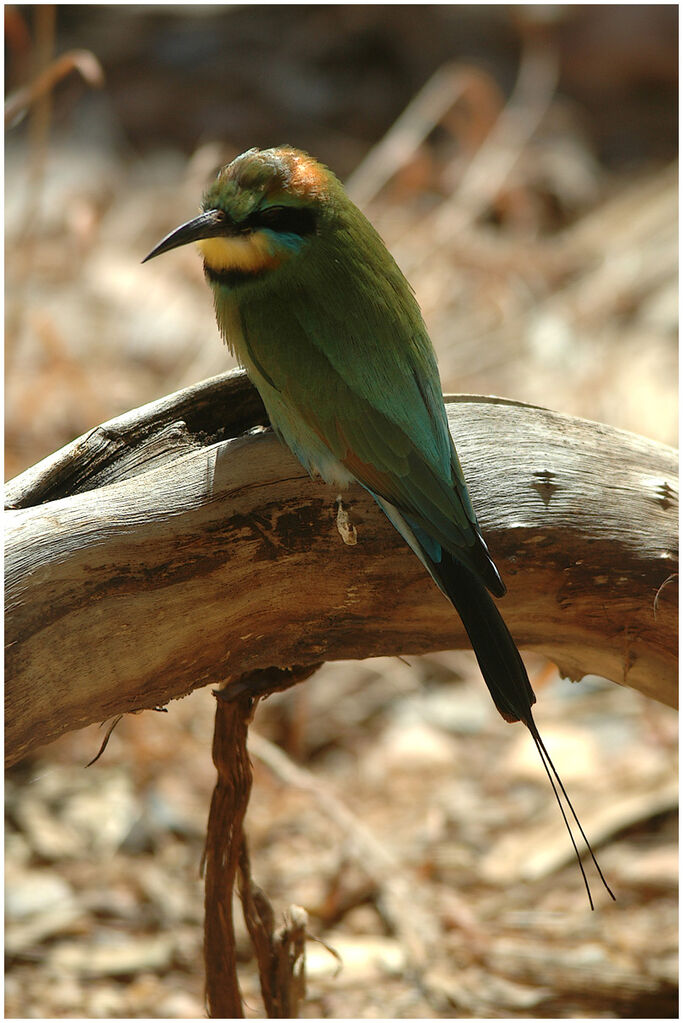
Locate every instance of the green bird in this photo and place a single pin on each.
(314, 307)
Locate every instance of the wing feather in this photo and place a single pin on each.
(383, 420)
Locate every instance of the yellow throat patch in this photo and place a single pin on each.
(248, 252)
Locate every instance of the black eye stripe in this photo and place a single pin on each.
(284, 219)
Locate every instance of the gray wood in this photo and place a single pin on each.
(171, 549)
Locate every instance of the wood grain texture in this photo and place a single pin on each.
(173, 548)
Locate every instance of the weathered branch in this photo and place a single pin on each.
(170, 549)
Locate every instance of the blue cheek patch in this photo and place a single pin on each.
(279, 241)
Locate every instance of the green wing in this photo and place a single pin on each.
(365, 382)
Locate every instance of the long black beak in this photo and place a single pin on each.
(210, 224)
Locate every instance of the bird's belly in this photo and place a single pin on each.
(331, 470)
(311, 451)
(302, 441)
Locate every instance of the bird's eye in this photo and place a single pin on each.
(285, 219)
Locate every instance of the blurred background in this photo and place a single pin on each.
(520, 162)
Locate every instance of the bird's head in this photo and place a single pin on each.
(263, 208)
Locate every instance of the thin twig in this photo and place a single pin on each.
(428, 108)
(494, 161)
(226, 857)
(404, 902)
(221, 857)
(83, 61)
(279, 953)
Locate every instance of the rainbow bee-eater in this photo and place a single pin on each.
(328, 329)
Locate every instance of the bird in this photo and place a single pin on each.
(314, 307)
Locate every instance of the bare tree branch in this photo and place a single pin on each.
(172, 548)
